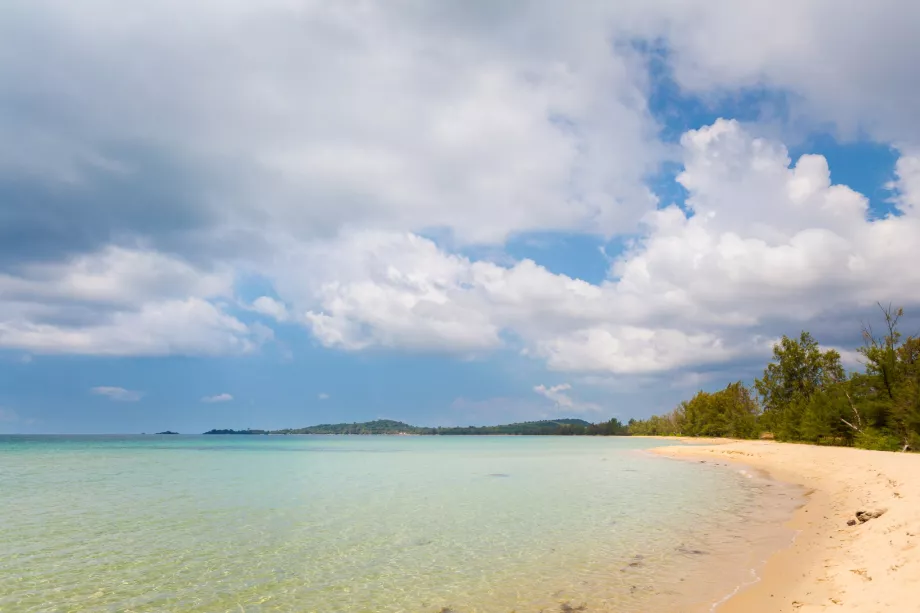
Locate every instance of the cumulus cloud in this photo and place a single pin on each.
(224, 397)
(371, 145)
(121, 302)
(702, 286)
(482, 121)
(113, 276)
(129, 208)
(270, 307)
(838, 63)
(119, 394)
(557, 394)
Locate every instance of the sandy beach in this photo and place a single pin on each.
(832, 566)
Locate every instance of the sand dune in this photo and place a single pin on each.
(866, 567)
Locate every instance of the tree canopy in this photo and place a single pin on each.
(806, 395)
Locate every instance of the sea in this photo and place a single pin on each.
(368, 524)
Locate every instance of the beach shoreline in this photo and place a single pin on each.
(832, 566)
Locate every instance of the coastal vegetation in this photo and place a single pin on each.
(557, 427)
(806, 395)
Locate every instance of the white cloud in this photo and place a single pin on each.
(189, 327)
(907, 184)
(630, 350)
(839, 62)
(705, 288)
(358, 129)
(121, 302)
(224, 397)
(114, 276)
(117, 393)
(391, 290)
(399, 117)
(562, 400)
(323, 396)
(270, 307)
(765, 236)
(557, 394)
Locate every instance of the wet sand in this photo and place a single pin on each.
(867, 567)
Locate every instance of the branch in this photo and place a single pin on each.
(849, 424)
(855, 412)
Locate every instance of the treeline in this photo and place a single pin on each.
(806, 395)
(555, 427)
(732, 412)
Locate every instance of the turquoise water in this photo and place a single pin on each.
(373, 524)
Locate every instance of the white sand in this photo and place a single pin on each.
(869, 567)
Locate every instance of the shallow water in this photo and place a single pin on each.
(374, 524)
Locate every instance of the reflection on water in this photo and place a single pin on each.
(373, 524)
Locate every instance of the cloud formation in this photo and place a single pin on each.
(224, 397)
(119, 394)
(561, 399)
(707, 285)
(557, 394)
(399, 117)
(353, 156)
(121, 302)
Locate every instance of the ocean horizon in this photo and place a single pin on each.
(376, 524)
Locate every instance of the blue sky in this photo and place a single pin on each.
(448, 217)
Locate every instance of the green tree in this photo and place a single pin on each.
(798, 372)
(889, 390)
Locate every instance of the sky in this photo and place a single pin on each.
(229, 214)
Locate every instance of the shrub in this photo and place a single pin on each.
(870, 438)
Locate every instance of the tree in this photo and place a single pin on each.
(798, 372)
(731, 412)
(807, 396)
(889, 390)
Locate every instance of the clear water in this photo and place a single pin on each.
(373, 524)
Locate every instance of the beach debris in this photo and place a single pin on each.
(566, 607)
(864, 516)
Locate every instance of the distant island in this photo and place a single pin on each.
(168, 432)
(554, 427)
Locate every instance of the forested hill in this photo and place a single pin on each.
(389, 426)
